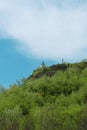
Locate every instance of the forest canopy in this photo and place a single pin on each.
(52, 98)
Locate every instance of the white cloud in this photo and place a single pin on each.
(46, 29)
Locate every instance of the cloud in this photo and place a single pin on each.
(46, 28)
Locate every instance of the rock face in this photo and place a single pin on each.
(48, 71)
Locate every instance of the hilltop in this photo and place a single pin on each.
(51, 70)
(52, 98)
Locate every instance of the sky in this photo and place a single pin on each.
(37, 30)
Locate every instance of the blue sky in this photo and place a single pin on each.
(13, 65)
(32, 31)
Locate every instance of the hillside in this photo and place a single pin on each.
(52, 98)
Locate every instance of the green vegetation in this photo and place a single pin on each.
(53, 98)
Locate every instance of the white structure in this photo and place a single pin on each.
(42, 65)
